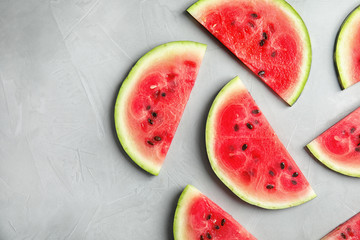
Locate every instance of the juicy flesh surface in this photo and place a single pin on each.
(348, 230)
(341, 142)
(158, 102)
(207, 219)
(355, 55)
(262, 37)
(251, 155)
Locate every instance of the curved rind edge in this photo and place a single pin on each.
(196, 7)
(208, 139)
(178, 224)
(302, 83)
(150, 168)
(315, 149)
(337, 53)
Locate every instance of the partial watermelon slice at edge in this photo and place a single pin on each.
(241, 24)
(152, 98)
(247, 156)
(197, 217)
(349, 230)
(338, 147)
(346, 56)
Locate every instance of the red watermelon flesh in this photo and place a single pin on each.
(347, 57)
(349, 230)
(246, 154)
(268, 36)
(152, 99)
(197, 217)
(339, 146)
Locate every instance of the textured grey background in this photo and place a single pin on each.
(63, 174)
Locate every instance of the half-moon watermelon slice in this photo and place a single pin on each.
(349, 230)
(199, 218)
(152, 99)
(268, 36)
(246, 154)
(339, 146)
(347, 56)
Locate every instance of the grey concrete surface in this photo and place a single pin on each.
(63, 174)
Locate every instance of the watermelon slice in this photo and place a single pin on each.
(349, 230)
(347, 55)
(199, 218)
(339, 146)
(268, 36)
(152, 99)
(246, 154)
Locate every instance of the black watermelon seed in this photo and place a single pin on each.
(269, 186)
(254, 15)
(201, 237)
(261, 73)
(148, 107)
(223, 221)
(208, 217)
(282, 165)
(236, 127)
(295, 174)
(150, 142)
(157, 138)
(262, 42)
(264, 35)
(343, 235)
(255, 111)
(150, 121)
(244, 147)
(271, 173)
(154, 114)
(358, 144)
(163, 94)
(352, 130)
(293, 182)
(250, 126)
(357, 149)
(208, 235)
(273, 54)
(217, 227)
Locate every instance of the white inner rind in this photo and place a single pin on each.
(182, 211)
(316, 149)
(150, 59)
(198, 9)
(344, 50)
(234, 87)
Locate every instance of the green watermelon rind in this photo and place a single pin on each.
(142, 64)
(342, 44)
(316, 150)
(196, 8)
(178, 226)
(237, 83)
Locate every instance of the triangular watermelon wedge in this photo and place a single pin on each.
(152, 99)
(199, 218)
(246, 154)
(349, 230)
(339, 147)
(268, 36)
